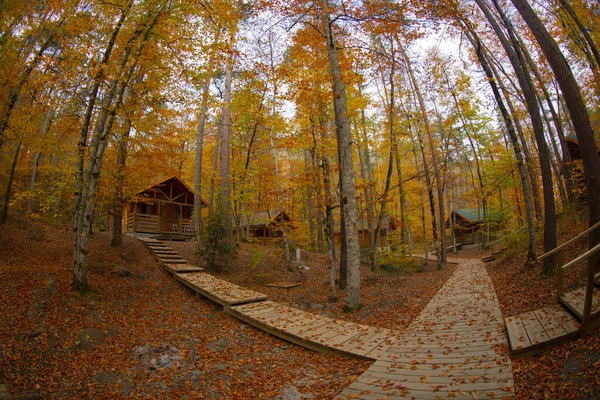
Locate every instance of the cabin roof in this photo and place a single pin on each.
(264, 218)
(178, 185)
(475, 215)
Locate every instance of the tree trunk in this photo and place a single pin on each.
(434, 160)
(11, 174)
(472, 36)
(224, 198)
(198, 164)
(45, 129)
(584, 31)
(347, 189)
(577, 110)
(519, 65)
(88, 182)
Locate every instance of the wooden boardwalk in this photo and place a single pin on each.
(315, 331)
(218, 290)
(456, 348)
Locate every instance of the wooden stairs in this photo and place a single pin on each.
(533, 331)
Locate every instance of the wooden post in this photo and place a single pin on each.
(560, 261)
(159, 224)
(589, 293)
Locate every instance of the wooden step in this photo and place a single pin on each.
(597, 279)
(574, 301)
(530, 332)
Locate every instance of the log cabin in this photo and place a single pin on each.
(469, 225)
(164, 207)
(265, 226)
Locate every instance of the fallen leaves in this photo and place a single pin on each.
(44, 324)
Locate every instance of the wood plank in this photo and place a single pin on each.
(573, 303)
(551, 325)
(283, 285)
(182, 268)
(566, 320)
(535, 330)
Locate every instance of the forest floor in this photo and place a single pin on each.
(140, 334)
(567, 371)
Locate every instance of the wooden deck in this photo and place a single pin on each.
(314, 331)
(218, 290)
(456, 348)
(530, 332)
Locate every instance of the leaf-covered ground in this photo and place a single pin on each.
(390, 300)
(568, 371)
(140, 334)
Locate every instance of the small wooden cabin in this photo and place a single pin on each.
(389, 225)
(267, 224)
(469, 225)
(166, 206)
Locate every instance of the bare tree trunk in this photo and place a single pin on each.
(584, 31)
(45, 129)
(347, 191)
(286, 243)
(198, 164)
(224, 197)
(113, 97)
(368, 178)
(117, 213)
(566, 159)
(11, 174)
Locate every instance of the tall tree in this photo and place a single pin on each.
(577, 111)
(347, 187)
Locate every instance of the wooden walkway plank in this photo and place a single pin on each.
(181, 268)
(551, 325)
(564, 318)
(517, 336)
(222, 292)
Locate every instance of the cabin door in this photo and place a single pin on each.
(169, 217)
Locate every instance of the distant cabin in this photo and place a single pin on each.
(386, 233)
(267, 224)
(166, 206)
(469, 225)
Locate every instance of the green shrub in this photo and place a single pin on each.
(215, 250)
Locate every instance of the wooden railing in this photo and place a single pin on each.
(268, 241)
(188, 227)
(141, 223)
(559, 251)
(561, 268)
(590, 257)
